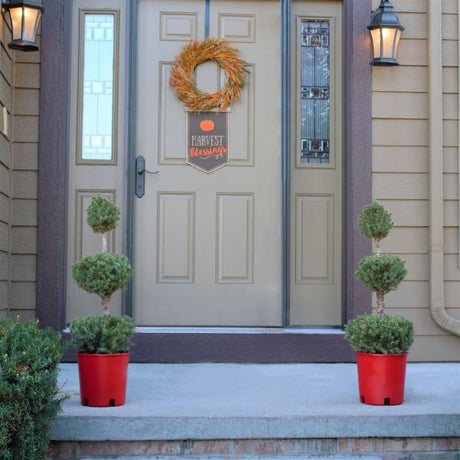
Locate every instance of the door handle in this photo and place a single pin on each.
(140, 176)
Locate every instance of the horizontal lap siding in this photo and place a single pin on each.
(401, 173)
(24, 178)
(6, 84)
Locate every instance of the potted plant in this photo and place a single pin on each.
(102, 342)
(381, 341)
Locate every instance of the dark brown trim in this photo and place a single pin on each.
(192, 347)
(52, 164)
(358, 147)
(237, 347)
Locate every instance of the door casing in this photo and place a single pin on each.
(52, 189)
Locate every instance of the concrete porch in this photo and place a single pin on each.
(261, 411)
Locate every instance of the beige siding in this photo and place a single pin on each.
(6, 84)
(19, 104)
(24, 183)
(401, 172)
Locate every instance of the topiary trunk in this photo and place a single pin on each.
(105, 302)
(104, 242)
(380, 303)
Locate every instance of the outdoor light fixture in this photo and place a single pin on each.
(385, 30)
(24, 18)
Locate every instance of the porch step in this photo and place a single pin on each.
(232, 411)
(251, 457)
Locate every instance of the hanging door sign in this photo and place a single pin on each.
(207, 140)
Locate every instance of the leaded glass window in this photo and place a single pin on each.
(314, 91)
(97, 119)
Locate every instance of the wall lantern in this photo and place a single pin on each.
(24, 18)
(385, 30)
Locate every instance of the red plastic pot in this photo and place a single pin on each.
(381, 378)
(103, 379)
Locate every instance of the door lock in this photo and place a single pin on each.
(140, 175)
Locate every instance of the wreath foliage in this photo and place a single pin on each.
(195, 53)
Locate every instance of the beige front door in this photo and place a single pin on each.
(316, 164)
(208, 246)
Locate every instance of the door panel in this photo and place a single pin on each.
(97, 90)
(316, 164)
(208, 246)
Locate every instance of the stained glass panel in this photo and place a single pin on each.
(314, 91)
(98, 85)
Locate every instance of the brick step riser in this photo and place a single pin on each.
(333, 448)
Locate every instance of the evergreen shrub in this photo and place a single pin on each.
(380, 273)
(380, 334)
(102, 334)
(102, 215)
(29, 398)
(102, 273)
(375, 221)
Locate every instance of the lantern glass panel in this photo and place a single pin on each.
(388, 38)
(376, 42)
(397, 38)
(16, 21)
(31, 17)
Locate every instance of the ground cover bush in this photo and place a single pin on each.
(29, 398)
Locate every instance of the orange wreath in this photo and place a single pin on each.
(195, 53)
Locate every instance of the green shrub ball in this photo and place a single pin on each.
(381, 273)
(380, 334)
(102, 273)
(375, 221)
(102, 334)
(102, 214)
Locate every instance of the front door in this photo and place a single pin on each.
(316, 164)
(208, 246)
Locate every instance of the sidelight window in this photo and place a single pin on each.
(314, 91)
(97, 87)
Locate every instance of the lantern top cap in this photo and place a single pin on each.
(14, 3)
(383, 16)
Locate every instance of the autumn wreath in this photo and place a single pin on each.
(195, 53)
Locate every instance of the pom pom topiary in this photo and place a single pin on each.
(102, 214)
(102, 274)
(375, 222)
(102, 334)
(380, 273)
(380, 334)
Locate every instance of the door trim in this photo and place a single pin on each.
(286, 157)
(191, 347)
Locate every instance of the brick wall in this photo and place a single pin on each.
(383, 448)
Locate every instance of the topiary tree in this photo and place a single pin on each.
(379, 273)
(103, 273)
(102, 216)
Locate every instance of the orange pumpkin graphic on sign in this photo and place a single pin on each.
(207, 125)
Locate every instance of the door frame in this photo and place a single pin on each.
(252, 345)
